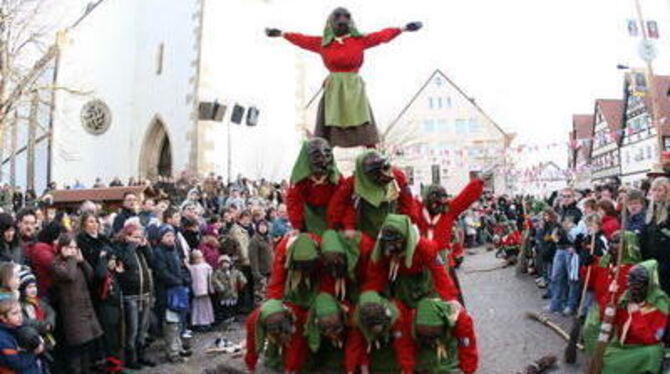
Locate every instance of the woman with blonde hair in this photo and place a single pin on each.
(656, 234)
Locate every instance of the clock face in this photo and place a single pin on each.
(647, 50)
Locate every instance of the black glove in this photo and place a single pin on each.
(413, 26)
(273, 33)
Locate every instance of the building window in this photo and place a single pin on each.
(96, 117)
(461, 126)
(448, 100)
(649, 152)
(474, 125)
(430, 103)
(439, 102)
(429, 125)
(435, 174)
(159, 59)
(666, 143)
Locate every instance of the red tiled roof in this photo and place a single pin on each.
(582, 125)
(612, 110)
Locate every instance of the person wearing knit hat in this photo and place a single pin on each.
(296, 270)
(275, 331)
(408, 262)
(345, 264)
(314, 180)
(381, 336)
(326, 332)
(445, 337)
(227, 282)
(36, 312)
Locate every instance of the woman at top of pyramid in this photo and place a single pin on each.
(344, 116)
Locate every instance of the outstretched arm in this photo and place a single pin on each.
(469, 195)
(379, 37)
(310, 43)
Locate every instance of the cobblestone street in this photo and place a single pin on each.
(497, 299)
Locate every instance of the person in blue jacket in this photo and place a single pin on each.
(13, 358)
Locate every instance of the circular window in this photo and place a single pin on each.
(96, 117)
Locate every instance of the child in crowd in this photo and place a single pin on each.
(228, 281)
(202, 314)
(36, 312)
(9, 279)
(15, 358)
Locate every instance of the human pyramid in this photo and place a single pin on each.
(365, 282)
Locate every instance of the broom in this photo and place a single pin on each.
(570, 354)
(596, 363)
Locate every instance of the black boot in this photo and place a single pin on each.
(131, 360)
(144, 360)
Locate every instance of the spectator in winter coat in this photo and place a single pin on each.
(136, 282)
(636, 211)
(170, 273)
(129, 210)
(71, 276)
(655, 238)
(10, 250)
(260, 259)
(14, 359)
(41, 256)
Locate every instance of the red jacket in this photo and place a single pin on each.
(342, 213)
(41, 256)
(307, 191)
(356, 350)
(441, 224)
(425, 257)
(275, 289)
(295, 351)
(347, 56)
(646, 328)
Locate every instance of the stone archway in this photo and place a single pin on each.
(156, 154)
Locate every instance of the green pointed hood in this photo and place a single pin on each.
(302, 168)
(334, 241)
(329, 33)
(631, 251)
(655, 295)
(372, 297)
(303, 248)
(404, 225)
(268, 308)
(435, 312)
(325, 305)
(365, 187)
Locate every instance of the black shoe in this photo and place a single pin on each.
(147, 362)
(186, 353)
(546, 295)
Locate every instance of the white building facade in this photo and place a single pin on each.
(443, 137)
(605, 151)
(143, 69)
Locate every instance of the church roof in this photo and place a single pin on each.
(438, 72)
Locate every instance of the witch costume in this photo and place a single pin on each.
(344, 116)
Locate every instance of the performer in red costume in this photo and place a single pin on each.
(344, 116)
(381, 338)
(363, 200)
(407, 267)
(313, 183)
(275, 330)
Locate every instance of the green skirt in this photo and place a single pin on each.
(632, 359)
(346, 102)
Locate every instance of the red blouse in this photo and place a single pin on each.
(345, 57)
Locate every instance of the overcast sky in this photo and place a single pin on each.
(530, 64)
